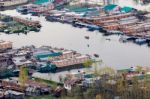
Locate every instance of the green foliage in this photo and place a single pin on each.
(23, 75)
(139, 69)
(88, 63)
(107, 70)
(42, 97)
(98, 96)
(49, 82)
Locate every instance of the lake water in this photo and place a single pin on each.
(113, 53)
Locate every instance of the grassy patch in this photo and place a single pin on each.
(49, 82)
(42, 97)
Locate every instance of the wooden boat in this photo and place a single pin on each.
(88, 45)
(87, 37)
(108, 39)
(61, 48)
(96, 55)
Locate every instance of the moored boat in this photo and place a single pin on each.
(124, 38)
(149, 44)
(140, 41)
(87, 37)
(108, 39)
(93, 27)
(96, 55)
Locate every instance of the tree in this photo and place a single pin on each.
(97, 63)
(139, 69)
(89, 93)
(23, 75)
(77, 92)
(98, 96)
(107, 70)
(88, 63)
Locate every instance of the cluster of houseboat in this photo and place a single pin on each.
(44, 59)
(4, 4)
(111, 19)
(34, 9)
(10, 25)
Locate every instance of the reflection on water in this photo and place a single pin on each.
(113, 53)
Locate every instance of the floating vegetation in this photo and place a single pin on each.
(11, 25)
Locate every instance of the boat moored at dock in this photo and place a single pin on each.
(140, 41)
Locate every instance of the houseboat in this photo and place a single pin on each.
(54, 17)
(72, 63)
(41, 9)
(5, 45)
(27, 22)
(87, 37)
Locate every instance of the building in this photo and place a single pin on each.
(35, 88)
(7, 3)
(2, 25)
(5, 61)
(71, 61)
(69, 84)
(5, 45)
(10, 94)
(12, 84)
(6, 66)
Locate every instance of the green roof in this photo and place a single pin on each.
(109, 7)
(126, 9)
